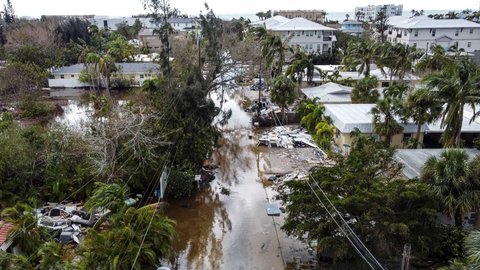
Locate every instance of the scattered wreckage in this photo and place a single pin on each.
(68, 221)
(285, 137)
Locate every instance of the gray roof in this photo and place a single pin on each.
(351, 22)
(182, 20)
(347, 117)
(329, 93)
(125, 68)
(423, 22)
(413, 160)
(468, 126)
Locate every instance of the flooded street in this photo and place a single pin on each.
(217, 231)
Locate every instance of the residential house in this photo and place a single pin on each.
(105, 22)
(69, 76)
(349, 117)
(368, 13)
(414, 160)
(354, 28)
(312, 15)
(5, 239)
(329, 93)
(424, 32)
(150, 38)
(300, 32)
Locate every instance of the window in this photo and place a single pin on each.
(405, 33)
(385, 84)
(416, 33)
(298, 34)
(142, 76)
(306, 46)
(318, 47)
(303, 33)
(414, 44)
(311, 46)
(62, 76)
(72, 76)
(434, 32)
(469, 44)
(456, 32)
(471, 30)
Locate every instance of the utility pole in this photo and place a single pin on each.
(406, 257)
(259, 108)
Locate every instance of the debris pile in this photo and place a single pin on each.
(285, 137)
(68, 221)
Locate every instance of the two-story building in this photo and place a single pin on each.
(368, 13)
(424, 32)
(354, 28)
(300, 32)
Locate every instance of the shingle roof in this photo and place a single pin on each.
(5, 229)
(301, 24)
(422, 22)
(125, 68)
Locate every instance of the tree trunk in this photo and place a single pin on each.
(458, 132)
(417, 136)
(458, 219)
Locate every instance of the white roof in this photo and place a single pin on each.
(422, 22)
(413, 160)
(301, 24)
(271, 22)
(347, 117)
(329, 93)
(467, 127)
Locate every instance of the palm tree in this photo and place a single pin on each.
(455, 181)
(364, 90)
(423, 108)
(363, 54)
(296, 69)
(51, 256)
(452, 15)
(436, 62)
(403, 57)
(472, 247)
(384, 122)
(273, 49)
(283, 92)
(313, 114)
(111, 197)
(456, 85)
(324, 132)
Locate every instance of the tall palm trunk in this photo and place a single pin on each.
(458, 131)
(417, 135)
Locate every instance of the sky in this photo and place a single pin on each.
(36, 8)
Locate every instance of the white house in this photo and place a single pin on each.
(300, 32)
(354, 28)
(423, 32)
(105, 22)
(329, 93)
(368, 13)
(69, 76)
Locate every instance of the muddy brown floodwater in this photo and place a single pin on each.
(216, 231)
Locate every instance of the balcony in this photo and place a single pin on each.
(327, 39)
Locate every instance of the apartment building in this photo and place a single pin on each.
(312, 15)
(300, 32)
(424, 32)
(368, 13)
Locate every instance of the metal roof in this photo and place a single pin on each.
(125, 68)
(468, 126)
(329, 93)
(301, 24)
(413, 160)
(422, 22)
(347, 117)
(271, 22)
(352, 22)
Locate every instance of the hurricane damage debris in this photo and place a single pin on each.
(285, 137)
(68, 221)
